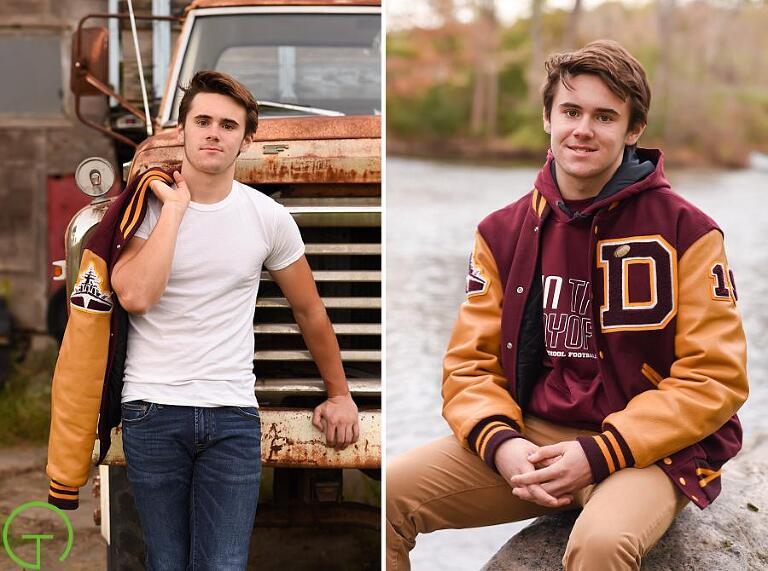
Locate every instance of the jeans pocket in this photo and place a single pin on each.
(135, 411)
(251, 412)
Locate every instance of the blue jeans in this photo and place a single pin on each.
(195, 475)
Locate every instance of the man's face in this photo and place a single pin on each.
(589, 127)
(213, 132)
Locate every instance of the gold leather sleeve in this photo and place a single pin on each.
(474, 384)
(707, 382)
(77, 384)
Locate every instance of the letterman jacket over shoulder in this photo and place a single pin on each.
(673, 367)
(87, 381)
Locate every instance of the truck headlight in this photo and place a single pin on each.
(94, 176)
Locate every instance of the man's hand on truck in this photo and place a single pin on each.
(337, 418)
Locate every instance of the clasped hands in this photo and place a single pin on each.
(544, 475)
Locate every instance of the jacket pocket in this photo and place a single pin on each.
(651, 374)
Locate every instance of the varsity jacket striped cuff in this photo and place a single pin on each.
(606, 453)
(63, 497)
(489, 433)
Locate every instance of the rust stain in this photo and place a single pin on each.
(275, 441)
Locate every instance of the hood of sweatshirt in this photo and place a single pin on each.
(640, 170)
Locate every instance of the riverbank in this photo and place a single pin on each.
(500, 151)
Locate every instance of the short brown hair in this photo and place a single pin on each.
(608, 60)
(208, 81)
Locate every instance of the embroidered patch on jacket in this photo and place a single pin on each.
(476, 283)
(88, 293)
(723, 285)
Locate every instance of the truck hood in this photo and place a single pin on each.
(293, 150)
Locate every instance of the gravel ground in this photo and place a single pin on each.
(23, 479)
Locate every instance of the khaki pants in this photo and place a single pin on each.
(444, 486)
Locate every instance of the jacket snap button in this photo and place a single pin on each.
(509, 345)
(519, 289)
(682, 481)
(668, 460)
(535, 228)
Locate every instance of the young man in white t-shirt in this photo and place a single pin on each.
(189, 280)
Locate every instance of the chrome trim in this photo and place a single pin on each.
(76, 234)
(351, 355)
(337, 276)
(186, 32)
(357, 249)
(288, 10)
(338, 328)
(333, 209)
(361, 387)
(328, 302)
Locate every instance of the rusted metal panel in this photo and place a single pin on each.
(319, 162)
(312, 128)
(303, 149)
(329, 152)
(288, 439)
(294, 129)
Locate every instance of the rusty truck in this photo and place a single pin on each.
(315, 68)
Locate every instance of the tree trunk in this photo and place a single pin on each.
(571, 40)
(666, 15)
(485, 90)
(535, 67)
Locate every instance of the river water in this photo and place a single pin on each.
(432, 211)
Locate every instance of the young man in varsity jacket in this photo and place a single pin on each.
(160, 336)
(599, 359)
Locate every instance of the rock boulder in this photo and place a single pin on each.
(729, 535)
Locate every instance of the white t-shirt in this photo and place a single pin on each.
(194, 347)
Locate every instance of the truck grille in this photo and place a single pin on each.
(343, 247)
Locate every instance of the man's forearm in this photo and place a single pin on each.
(141, 281)
(324, 347)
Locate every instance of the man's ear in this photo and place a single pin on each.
(247, 140)
(180, 130)
(547, 124)
(633, 134)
